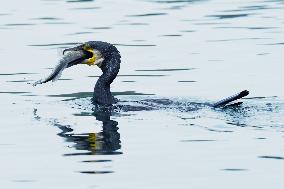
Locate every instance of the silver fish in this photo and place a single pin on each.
(70, 59)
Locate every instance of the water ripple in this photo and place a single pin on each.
(148, 14)
(228, 16)
(272, 157)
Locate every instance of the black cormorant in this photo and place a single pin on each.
(107, 57)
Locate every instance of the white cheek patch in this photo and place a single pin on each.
(99, 58)
(98, 62)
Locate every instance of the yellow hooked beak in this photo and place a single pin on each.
(90, 61)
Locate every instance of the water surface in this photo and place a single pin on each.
(177, 57)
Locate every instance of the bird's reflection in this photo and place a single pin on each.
(106, 142)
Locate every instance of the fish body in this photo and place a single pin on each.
(68, 60)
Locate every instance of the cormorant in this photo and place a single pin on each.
(107, 57)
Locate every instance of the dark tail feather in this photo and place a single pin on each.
(227, 100)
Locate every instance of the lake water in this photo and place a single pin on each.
(176, 57)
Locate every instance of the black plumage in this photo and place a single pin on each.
(110, 68)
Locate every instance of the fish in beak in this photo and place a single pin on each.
(82, 54)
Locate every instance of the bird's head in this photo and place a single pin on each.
(103, 54)
(89, 55)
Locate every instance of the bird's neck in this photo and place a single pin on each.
(110, 68)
